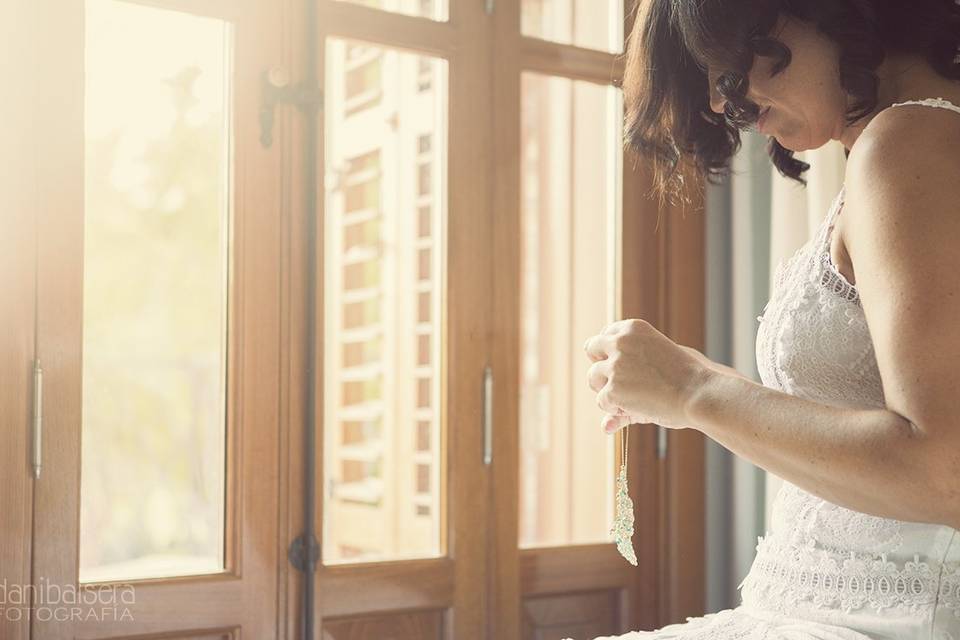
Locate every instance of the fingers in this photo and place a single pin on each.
(615, 327)
(597, 375)
(597, 347)
(606, 403)
(612, 424)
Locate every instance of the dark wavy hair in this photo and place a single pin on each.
(668, 117)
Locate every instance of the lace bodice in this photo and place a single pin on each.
(821, 560)
(813, 338)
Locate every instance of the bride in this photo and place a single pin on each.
(859, 346)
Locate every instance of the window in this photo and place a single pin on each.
(382, 303)
(474, 215)
(571, 163)
(155, 265)
(584, 23)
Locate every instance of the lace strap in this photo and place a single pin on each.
(930, 102)
(832, 214)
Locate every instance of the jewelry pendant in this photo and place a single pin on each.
(622, 529)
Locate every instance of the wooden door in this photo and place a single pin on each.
(580, 243)
(404, 494)
(159, 236)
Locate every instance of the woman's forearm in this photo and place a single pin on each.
(869, 460)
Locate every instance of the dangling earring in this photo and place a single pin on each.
(622, 529)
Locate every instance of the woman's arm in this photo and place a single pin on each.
(869, 460)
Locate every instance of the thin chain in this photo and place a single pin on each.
(624, 450)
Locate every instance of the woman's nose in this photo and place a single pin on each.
(717, 101)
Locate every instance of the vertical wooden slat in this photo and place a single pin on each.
(19, 200)
(684, 322)
(468, 321)
(505, 584)
(60, 143)
(258, 189)
(641, 251)
(289, 135)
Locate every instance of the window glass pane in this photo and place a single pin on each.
(570, 183)
(433, 9)
(584, 23)
(155, 292)
(385, 182)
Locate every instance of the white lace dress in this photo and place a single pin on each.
(824, 572)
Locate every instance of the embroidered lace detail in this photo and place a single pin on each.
(741, 624)
(784, 577)
(836, 282)
(804, 517)
(949, 597)
(831, 278)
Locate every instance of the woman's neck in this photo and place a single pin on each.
(901, 78)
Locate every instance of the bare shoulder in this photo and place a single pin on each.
(908, 160)
(902, 197)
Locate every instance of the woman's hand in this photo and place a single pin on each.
(642, 376)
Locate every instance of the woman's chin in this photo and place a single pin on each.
(791, 144)
(798, 143)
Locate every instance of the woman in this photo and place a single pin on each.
(859, 345)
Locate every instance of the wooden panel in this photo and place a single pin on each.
(579, 615)
(419, 625)
(579, 568)
(211, 634)
(417, 584)
(571, 62)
